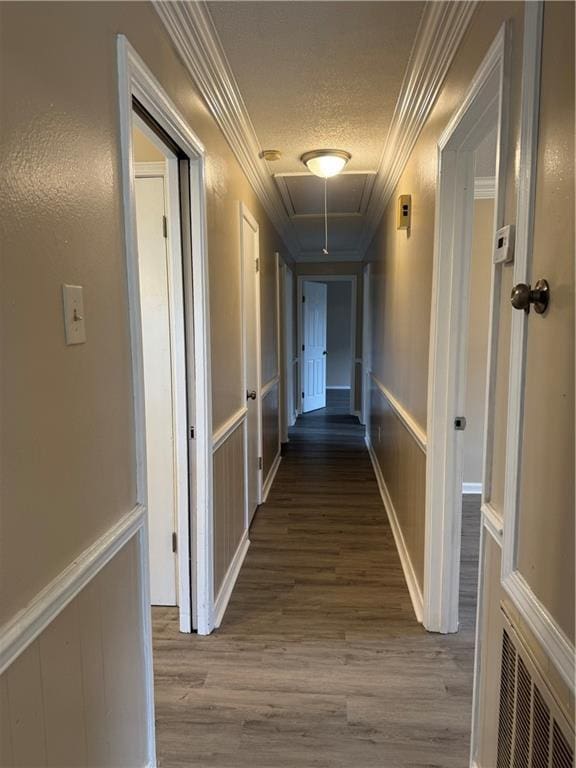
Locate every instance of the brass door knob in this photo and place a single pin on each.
(523, 295)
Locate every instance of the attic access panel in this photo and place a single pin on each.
(303, 194)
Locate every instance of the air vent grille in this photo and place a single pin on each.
(529, 736)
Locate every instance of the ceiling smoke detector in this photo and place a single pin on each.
(270, 154)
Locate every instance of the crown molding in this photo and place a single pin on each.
(439, 35)
(192, 31)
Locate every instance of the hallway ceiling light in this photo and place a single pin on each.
(325, 162)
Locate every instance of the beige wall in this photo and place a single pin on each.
(478, 319)
(402, 261)
(67, 446)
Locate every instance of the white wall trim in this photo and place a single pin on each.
(559, 649)
(136, 80)
(484, 188)
(353, 279)
(471, 487)
(492, 521)
(439, 35)
(23, 628)
(230, 425)
(270, 385)
(407, 420)
(339, 388)
(271, 476)
(225, 591)
(405, 559)
(484, 105)
(192, 31)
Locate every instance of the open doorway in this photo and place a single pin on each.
(326, 342)
(167, 285)
(464, 343)
(475, 365)
(160, 275)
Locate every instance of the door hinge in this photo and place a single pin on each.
(303, 347)
(303, 299)
(257, 265)
(460, 423)
(259, 462)
(302, 394)
(164, 226)
(191, 433)
(174, 542)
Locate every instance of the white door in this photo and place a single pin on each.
(314, 353)
(154, 300)
(251, 360)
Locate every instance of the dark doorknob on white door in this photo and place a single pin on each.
(251, 395)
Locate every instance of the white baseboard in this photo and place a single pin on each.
(18, 632)
(343, 388)
(223, 598)
(270, 479)
(407, 567)
(471, 487)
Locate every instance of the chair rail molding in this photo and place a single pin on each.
(439, 35)
(407, 420)
(192, 31)
(21, 630)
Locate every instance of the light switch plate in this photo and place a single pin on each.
(504, 245)
(74, 322)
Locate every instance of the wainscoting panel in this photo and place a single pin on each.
(76, 695)
(403, 466)
(229, 502)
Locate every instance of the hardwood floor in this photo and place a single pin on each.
(319, 662)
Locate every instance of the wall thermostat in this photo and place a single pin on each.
(504, 245)
(404, 211)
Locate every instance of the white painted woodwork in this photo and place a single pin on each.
(484, 106)
(251, 309)
(135, 80)
(314, 310)
(77, 695)
(158, 400)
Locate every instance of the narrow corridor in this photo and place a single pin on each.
(320, 661)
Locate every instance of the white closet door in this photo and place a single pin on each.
(153, 269)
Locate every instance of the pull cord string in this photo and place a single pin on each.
(325, 215)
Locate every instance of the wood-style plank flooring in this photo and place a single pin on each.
(319, 662)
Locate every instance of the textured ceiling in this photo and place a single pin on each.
(319, 74)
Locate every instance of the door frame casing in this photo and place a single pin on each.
(136, 80)
(487, 96)
(353, 279)
(246, 218)
(366, 346)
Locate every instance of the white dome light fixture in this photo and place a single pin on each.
(326, 162)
